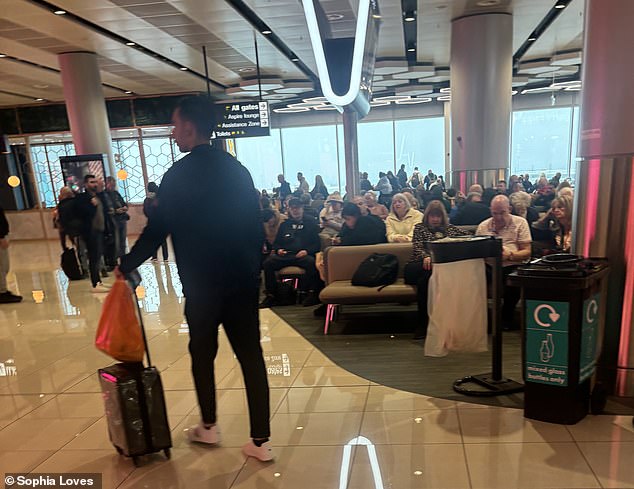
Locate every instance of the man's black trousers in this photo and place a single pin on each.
(237, 311)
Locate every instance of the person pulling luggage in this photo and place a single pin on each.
(219, 271)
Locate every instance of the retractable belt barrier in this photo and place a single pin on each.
(490, 249)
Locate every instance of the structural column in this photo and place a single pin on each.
(85, 105)
(351, 149)
(604, 194)
(481, 84)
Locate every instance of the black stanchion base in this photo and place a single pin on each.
(494, 387)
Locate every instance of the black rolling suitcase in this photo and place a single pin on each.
(135, 407)
(70, 264)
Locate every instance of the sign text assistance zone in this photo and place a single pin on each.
(241, 120)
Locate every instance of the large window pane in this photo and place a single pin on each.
(133, 187)
(574, 143)
(42, 175)
(541, 140)
(262, 156)
(48, 170)
(158, 157)
(421, 143)
(342, 159)
(376, 148)
(312, 151)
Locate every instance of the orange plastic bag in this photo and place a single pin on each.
(119, 332)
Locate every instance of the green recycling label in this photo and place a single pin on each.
(547, 342)
(589, 337)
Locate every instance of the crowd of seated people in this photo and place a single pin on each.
(514, 211)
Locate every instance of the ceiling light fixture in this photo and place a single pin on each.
(409, 16)
(560, 5)
(39, 100)
(291, 110)
(411, 48)
(128, 92)
(531, 39)
(392, 98)
(130, 43)
(376, 16)
(59, 12)
(334, 17)
(295, 59)
(444, 98)
(316, 99)
(183, 68)
(2, 55)
(266, 32)
(414, 101)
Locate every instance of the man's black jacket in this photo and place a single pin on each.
(294, 236)
(208, 204)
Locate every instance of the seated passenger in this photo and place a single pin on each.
(522, 205)
(473, 212)
(272, 218)
(374, 207)
(557, 225)
(330, 218)
(413, 201)
(400, 222)
(296, 243)
(516, 248)
(309, 211)
(435, 225)
(359, 229)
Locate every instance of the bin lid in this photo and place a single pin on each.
(558, 269)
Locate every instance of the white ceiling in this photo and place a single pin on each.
(177, 29)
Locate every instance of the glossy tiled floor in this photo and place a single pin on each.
(331, 429)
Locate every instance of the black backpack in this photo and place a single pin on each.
(377, 269)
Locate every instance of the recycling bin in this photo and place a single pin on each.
(563, 314)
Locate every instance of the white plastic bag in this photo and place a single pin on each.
(457, 303)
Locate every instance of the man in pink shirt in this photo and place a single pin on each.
(516, 248)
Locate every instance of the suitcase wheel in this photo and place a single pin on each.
(136, 461)
(168, 453)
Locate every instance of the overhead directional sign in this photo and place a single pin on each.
(241, 120)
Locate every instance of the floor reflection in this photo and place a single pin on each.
(346, 461)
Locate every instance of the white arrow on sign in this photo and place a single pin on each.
(553, 315)
(591, 311)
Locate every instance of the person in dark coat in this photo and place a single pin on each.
(473, 212)
(90, 208)
(121, 216)
(319, 188)
(360, 229)
(402, 177)
(218, 247)
(296, 244)
(284, 191)
(68, 223)
(6, 297)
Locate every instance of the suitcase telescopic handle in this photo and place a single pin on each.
(134, 281)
